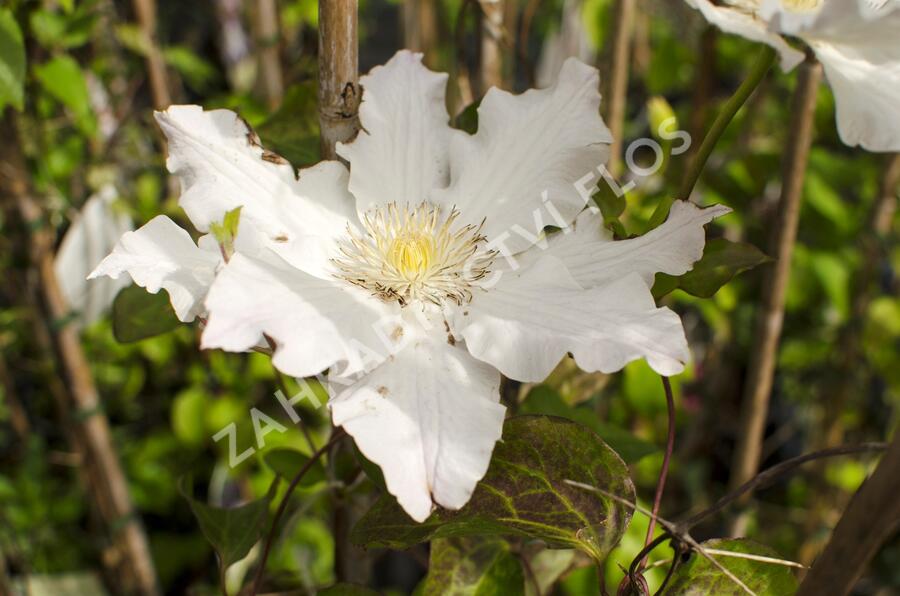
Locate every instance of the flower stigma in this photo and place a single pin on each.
(413, 254)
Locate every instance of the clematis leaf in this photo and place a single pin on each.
(138, 314)
(722, 260)
(544, 399)
(473, 567)
(12, 61)
(232, 532)
(698, 576)
(62, 78)
(287, 463)
(524, 493)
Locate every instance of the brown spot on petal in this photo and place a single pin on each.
(397, 333)
(382, 391)
(273, 157)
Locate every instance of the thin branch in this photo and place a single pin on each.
(869, 520)
(758, 386)
(267, 42)
(617, 86)
(273, 530)
(156, 65)
(664, 470)
(491, 67)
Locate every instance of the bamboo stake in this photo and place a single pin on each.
(755, 405)
(420, 28)
(339, 92)
(869, 520)
(491, 67)
(617, 81)
(106, 471)
(267, 36)
(156, 66)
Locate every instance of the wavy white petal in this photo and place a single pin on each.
(518, 173)
(401, 152)
(161, 255)
(526, 323)
(429, 417)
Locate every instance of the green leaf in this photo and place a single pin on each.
(543, 399)
(287, 463)
(473, 567)
(12, 62)
(345, 589)
(699, 577)
(232, 532)
(524, 493)
(138, 314)
(467, 120)
(293, 130)
(62, 78)
(54, 30)
(722, 260)
(226, 231)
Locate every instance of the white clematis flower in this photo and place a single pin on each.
(422, 274)
(857, 43)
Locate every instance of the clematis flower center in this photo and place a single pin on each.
(801, 5)
(412, 254)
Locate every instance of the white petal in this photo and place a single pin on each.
(754, 28)
(593, 258)
(861, 55)
(316, 323)
(222, 166)
(526, 323)
(92, 236)
(528, 147)
(162, 255)
(429, 417)
(401, 151)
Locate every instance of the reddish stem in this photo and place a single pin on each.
(664, 471)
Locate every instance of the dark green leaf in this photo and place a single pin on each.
(197, 72)
(138, 314)
(231, 532)
(722, 260)
(473, 567)
(293, 130)
(524, 493)
(371, 469)
(467, 120)
(543, 399)
(698, 577)
(12, 62)
(287, 463)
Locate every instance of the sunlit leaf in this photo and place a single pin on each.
(62, 78)
(12, 62)
(137, 314)
(722, 260)
(699, 577)
(473, 567)
(524, 493)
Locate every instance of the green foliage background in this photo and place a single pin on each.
(166, 399)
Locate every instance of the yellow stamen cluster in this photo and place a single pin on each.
(415, 253)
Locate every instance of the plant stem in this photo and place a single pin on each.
(156, 66)
(763, 63)
(664, 470)
(491, 67)
(619, 56)
(869, 520)
(758, 386)
(270, 539)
